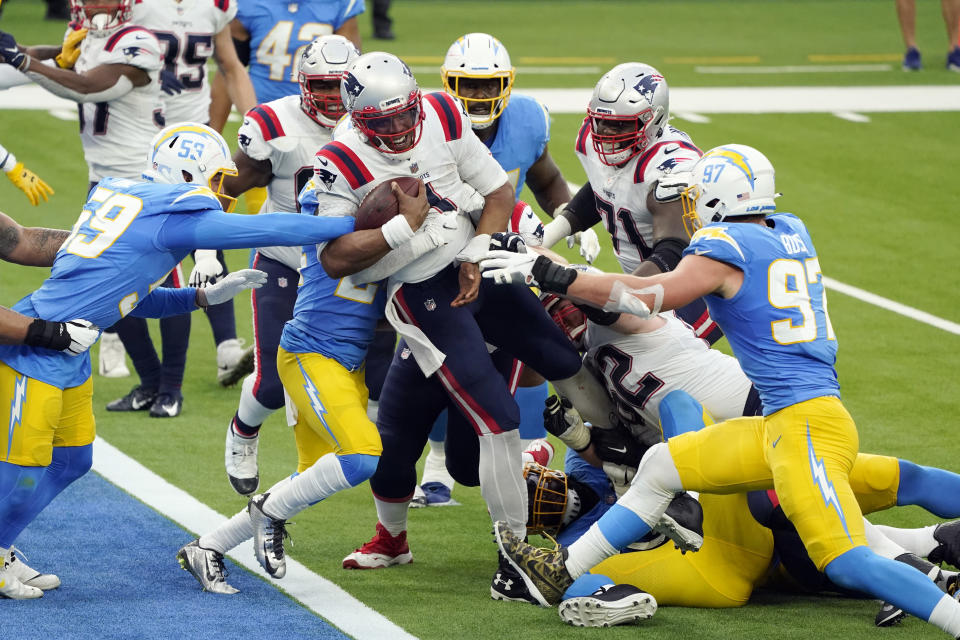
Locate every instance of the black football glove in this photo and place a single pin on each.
(170, 84)
(507, 241)
(617, 445)
(9, 53)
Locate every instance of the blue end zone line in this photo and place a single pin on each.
(313, 591)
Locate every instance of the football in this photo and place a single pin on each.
(380, 204)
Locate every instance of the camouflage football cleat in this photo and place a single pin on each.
(542, 570)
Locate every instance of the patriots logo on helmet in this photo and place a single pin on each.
(131, 51)
(406, 69)
(352, 85)
(326, 177)
(647, 86)
(244, 140)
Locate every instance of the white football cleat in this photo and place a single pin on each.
(28, 576)
(233, 361)
(240, 461)
(112, 362)
(12, 588)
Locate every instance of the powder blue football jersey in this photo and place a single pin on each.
(523, 131)
(777, 324)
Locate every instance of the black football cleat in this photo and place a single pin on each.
(139, 399)
(608, 606)
(947, 535)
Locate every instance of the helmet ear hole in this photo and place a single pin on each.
(187, 177)
(713, 203)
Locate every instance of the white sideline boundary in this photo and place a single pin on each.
(313, 591)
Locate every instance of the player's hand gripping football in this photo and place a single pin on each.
(70, 50)
(231, 285)
(30, 183)
(207, 268)
(11, 54)
(413, 208)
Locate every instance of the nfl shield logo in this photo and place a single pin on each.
(405, 353)
(429, 304)
(282, 283)
(414, 167)
(292, 7)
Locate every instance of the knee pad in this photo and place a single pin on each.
(680, 412)
(358, 467)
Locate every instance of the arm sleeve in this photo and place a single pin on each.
(165, 301)
(583, 207)
(218, 230)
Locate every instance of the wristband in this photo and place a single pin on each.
(396, 231)
(49, 335)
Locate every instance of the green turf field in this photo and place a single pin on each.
(879, 197)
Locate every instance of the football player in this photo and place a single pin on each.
(516, 128)
(629, 152)
(769, 299)
(277, 144)
(321, 362)
(270, 38)
(24, 179)
(128, 237)
(190, 33)
(432, 302)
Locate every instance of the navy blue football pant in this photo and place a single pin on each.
(506, 316)
(272, 306)
(379, 356)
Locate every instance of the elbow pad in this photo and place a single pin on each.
(243, 51)
(667, 253)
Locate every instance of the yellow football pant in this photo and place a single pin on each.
(41, 417)
(804, 451)
(331, 407)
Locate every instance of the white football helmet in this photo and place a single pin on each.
(384, 101)
(728, 182)
(477, 72)
(628, 111)
(100, 17)
(321, 66)
(195, 153)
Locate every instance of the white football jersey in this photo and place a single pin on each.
(621, 192)
(455, 166)
(640, 369)
(116, 135)
(282, 133)
(185, 29)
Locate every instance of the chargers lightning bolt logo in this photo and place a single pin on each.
(16, 408)
(819, 473)
(318, 408)
(716, 232)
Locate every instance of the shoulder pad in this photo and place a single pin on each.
(450, 113)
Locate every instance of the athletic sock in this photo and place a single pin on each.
(250, 411)
(946, 615)
(917, 541)
(235, 530)
(435, 466)
(242, 429)
(588, 551)
(501, 479)
(324, 478)
(392, 514)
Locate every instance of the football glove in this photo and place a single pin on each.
(74, 336)
(563, 421)
(672, 185)
(10, 54)
(507, 241)
(589, 244)
(70, 50)
(234, 283)
(169, 83)
(206, 270)
(617, 446)
(31, 184)
(504, 267)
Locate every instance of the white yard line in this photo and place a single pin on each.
(797, 68)
(315, 592)
(891, 305)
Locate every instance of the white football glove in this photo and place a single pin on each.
(671, 185)
(234, 283)
(507, 267)
(589, 244)
(83, 334)
(206, 270)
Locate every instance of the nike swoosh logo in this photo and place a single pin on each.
(147, 38)
(138, 404)
(170, 408)
(322, 161)
(623, 450)
(670, 149)
(700, 252)
(775, 442)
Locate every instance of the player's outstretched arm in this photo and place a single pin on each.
(218, 230)
(31, 246)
